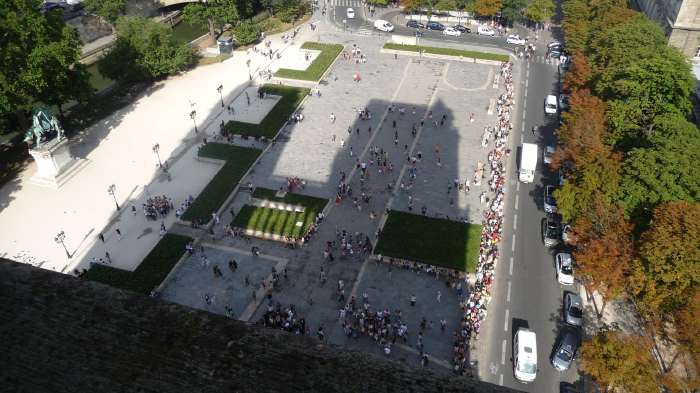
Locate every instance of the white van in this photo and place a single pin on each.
(383, 25)
(550, 105)
(525, 355)
(528, 162)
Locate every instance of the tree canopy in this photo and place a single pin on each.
(487, 7)
(144, 50)
(539, 10)
(111, 10)
(38, 61)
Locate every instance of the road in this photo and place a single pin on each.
(526, 292)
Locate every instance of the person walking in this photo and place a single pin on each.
(119, 234)
(101, 237)
(413, 300)
(439, 296)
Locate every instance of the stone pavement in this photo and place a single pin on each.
(317, 150)
(118, 150)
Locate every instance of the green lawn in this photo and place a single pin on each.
(448, 51)
(315, 70)
(435, 241)
(238, 160)
(280, 222)
(152, 270)
(271, 124)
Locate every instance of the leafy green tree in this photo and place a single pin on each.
(144, 50)
(668, 266)
(539, 10)
(513, 9)
(576, 24)
(665, 171)
(446, 5)
(620, 361)
(38, 61)
(645, 89)
(111, 10)
(212, 15)
(246, 33)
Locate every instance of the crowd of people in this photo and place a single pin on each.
(157, 206)
(474, 306)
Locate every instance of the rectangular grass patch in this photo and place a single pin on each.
(152, 270)
(275, 119)
(447, 51)
(315, 70)
(278, 221)
(238, 160)
(434, 241)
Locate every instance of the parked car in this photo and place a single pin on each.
(515, 40)
(383, 25)
(547, 154)
(485, 30)
(462, 29)
(415, 24)
(567, 235)
(551, 230)
(350, 13)
(550, 204)
(563, 102)
(451, 31)
(565, 268)
(550, 105)
(435, 26)
(555, 45)
(565, 351)
(525, 355)
(573, 309)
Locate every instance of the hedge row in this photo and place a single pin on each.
(447, 51)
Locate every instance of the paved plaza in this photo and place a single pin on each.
(446, 102)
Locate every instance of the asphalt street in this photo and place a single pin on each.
(527, 293)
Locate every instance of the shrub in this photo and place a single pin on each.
(246, 33)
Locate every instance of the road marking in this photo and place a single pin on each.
(517, 200)
(515, 221)
(512, 244)
(526, 82)
(510, 269)
(522, 127)
(522, 139)
(503, 352)
(524, 107)
(500, 379)
(508, 293)
(517, 185)
(505, 323)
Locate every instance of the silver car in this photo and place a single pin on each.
(550, 204)
(564, 354)
(573, 309)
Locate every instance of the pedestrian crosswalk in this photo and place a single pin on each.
(341, 3)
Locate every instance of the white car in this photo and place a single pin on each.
(550, 105)
(383, 25)
(565, 268)
(515, 39)
(485, 30)
(351, 13)
(548, 154)
(525, 355)
(452, 31)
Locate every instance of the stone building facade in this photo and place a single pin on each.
(680, 19)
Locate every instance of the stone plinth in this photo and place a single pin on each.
(54, 163)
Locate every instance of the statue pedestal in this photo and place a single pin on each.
(54, 163)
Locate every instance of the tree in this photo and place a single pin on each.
(539, 10)
(665, 170)
(668, 266)
(618, 360)
(513, 9)
(38, 61)
(576, 24)
(584, 129)
(212, 14)
(687, 334)
(110, 10)
(604, 250)
(487, 7)
(446, 5)
(246, 33)
(579, 74)
(144, 50)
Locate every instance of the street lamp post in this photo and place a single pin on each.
(192, 116)
(111, 191)
(61, 239)
(156, 148)
(219, 89)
